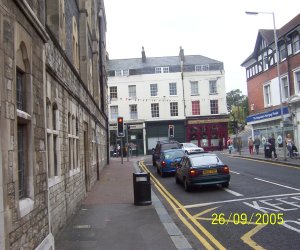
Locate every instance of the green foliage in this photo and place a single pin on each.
(237, 105)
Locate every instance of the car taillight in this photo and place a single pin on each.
(224, 170)
(195, 172)
(163, 164)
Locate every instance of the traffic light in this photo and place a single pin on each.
(120, 127)
(171, 131)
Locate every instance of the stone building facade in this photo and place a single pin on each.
(53, 110)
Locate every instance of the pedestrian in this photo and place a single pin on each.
(250, 145)
(289, 144)
(229, 144)
(256, 144)
(271, 140)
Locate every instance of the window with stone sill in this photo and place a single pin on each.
(113, 93)
(153, 89)
(173, 88)
(267, 95)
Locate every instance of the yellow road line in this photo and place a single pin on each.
(247, 238)
(204, 212)
(171, 198)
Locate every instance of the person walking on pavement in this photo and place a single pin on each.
(271, 140)
(256, 144)
(289, 144)
(250, 145)
(229, 144)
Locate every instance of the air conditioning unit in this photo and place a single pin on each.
(252, 107)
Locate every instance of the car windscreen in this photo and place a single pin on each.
(171, 155)
(205, 160)
(169, 146)
(189, 145)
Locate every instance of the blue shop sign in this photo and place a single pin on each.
(267, 115)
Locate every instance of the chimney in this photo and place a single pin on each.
(181, 54)
(143, 55)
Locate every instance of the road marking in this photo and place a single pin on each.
(235, 200)
(177, 207)
(232, 192)
(247, 237)
(234, 172)
(277, 184)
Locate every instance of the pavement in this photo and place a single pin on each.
(109, 219)
(244, 153)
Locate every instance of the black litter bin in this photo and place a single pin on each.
(142, 189)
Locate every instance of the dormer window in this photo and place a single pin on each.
(161, 70)
(204, 67)
(122, 72)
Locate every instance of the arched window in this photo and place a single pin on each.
(75, 46)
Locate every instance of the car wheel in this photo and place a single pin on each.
(187, 187)
(225, 185)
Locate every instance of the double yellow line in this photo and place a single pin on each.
(188, 220)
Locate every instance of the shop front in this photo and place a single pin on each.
(134, 138)
(267, 124)
(210, 133)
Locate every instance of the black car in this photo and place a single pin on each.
(161, 146)
(201, 170)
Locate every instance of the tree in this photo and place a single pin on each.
(237, 105)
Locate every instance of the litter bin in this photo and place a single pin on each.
(142, 189)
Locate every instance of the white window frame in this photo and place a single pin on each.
(296, 44)
(267, 94)
(282, 52)
(285, 90)
(161, 70)
(133, 111)
(122, 72)
(194, 88)
(155, 110)
(113, 94)
(173, 108)
(173, 89)
(114, 112)
(203, 67)
(297, 80)
(214, 107)
(132, 91)
(213, 87)
(153, 89)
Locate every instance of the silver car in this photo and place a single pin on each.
(191, 148)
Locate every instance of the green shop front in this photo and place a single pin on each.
(159, 131)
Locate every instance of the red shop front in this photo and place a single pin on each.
(208, 132)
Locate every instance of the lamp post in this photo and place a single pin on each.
(278, 75)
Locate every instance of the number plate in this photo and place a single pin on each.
(209, 171)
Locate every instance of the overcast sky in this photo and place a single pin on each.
(218, 29)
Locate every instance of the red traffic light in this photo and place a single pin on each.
(120, 119)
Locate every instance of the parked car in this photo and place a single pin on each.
(201, 170)
(168, 161)
(161, 146)
(191, 148)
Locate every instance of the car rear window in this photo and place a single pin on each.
(205, 160)
(174, 154)
(169, 146)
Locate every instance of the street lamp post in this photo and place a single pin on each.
(278, 75)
